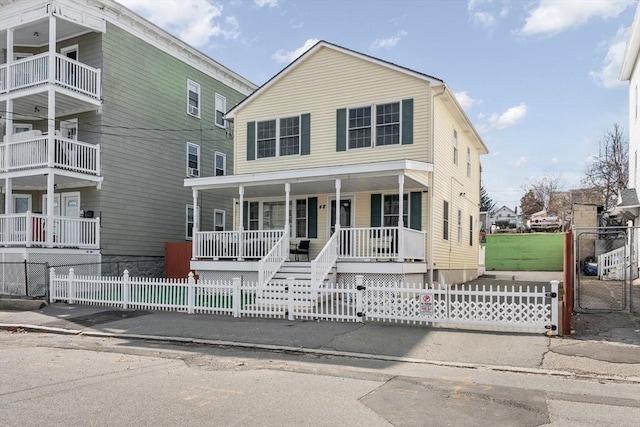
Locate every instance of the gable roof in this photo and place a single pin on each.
(632, 49)
(319, 45)
(451, 103)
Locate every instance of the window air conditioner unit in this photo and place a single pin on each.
(193, 110)
(193, 172)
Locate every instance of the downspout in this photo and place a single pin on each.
(431, 190)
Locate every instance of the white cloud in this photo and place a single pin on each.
(487, 13)
(284, 56)
(194, 22)
(465, 100)
(551, 16)
(521, 162)
(388, 42)
(511, 117)
(268, 3)
(607, 75)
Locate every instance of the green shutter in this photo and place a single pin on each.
(251, 140)
(305, 134)
(376, 210)
(415, 210)
(341, 129)
(407, 121)
(245, 215)
(312, 217)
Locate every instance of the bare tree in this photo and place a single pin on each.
(543, 191)
(609, 171)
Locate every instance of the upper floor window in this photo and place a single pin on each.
(278, 137)
(193, 159)
(455, 147)
(221, 109)
(468, 162)
(383, 128)
(193, 98)
(220, 164)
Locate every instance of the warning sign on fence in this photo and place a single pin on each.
(426, 304)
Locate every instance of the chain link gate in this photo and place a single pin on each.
(606, 262)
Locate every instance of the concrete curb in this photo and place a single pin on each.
(334, 353)
(18, 304)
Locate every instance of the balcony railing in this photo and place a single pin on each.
(34, 71)
(68, 154)
(29, 230)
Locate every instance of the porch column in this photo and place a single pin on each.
(337, 224)
(8, 75)
(400, 218)
(8, 196)
(196, 226)
(241, 224)
(50, 213)
(52, 48)
(51, 127)
(9, 133)
(287, 225)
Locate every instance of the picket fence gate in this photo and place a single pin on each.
(494, 307)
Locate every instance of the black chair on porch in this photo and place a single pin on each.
(301, 248)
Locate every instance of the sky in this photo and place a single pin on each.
(538, 79)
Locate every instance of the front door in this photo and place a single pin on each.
(346, 213)
(66, 205)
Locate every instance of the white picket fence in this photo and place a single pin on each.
(499, 307)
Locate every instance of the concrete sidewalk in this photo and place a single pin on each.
(533, 353)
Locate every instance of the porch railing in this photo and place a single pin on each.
(271, 263)
(326, 259)
(613, 264)
(30, 229)
(34, 71)
(251, 244)
(381, 243)
(68, 154)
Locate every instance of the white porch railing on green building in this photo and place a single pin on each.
(28, 229)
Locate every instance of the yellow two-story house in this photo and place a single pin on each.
(346, 165)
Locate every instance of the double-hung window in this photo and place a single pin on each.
(301, 218)
(459, 226)
(266, 139)
(455, 147)
(193, 159)
(468, 162)
(218, 220)
(189, 223)
(254, 216)
(360, 127)
(470, 230)
(193, 98)
(445, 221)
(391, 210)
(278, 137)
(388, 124)
(220, 164)
(380, 129)
(221, 109)
(290, 136)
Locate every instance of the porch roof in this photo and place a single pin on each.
(377, 176)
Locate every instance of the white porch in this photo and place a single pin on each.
(265, 251)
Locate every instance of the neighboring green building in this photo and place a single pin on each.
(106, 114)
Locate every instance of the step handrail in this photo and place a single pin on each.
(324, 262)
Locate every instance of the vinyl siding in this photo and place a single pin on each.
(145, 128)
(450, 181)
(325, 82)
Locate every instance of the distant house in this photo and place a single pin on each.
(502, 217)
(103, 116)
(372, 165)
